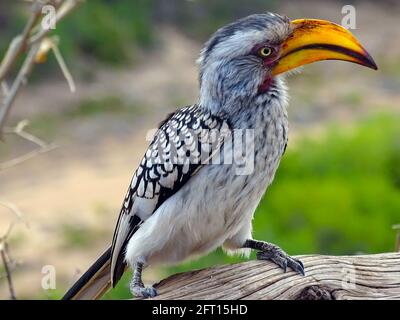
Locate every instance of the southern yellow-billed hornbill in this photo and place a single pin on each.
(187, 197)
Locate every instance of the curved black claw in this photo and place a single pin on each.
(143, 292)
(282, 259)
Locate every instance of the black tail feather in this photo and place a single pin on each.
(88, 275)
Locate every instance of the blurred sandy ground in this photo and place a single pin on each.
(78, 188)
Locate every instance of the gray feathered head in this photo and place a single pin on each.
(242, 58)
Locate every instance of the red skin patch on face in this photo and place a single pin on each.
(265, 85)
(269, 62)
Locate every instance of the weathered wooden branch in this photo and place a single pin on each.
(327, 277)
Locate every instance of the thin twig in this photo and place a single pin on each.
(18, 46)
(4, 254)
(27, 156)
(64, 68)
(64, 10)
(19, 130)
(4, 88)
(13, 208)
(7, 261)
(30, 40)
(20, 79)
(52, 44)
(11, 265)
(19, 43)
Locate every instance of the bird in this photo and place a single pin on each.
(209, 164)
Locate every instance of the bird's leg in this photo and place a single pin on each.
(269, 251)
(137, 287)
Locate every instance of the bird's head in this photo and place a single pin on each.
(242, 59)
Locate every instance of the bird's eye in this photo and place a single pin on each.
(265, 52)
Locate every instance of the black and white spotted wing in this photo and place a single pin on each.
(185, 141)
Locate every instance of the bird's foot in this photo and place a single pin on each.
(143, 292)
(281, 258)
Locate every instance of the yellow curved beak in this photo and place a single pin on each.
(315, 40)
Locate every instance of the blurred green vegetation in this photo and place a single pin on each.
(200, 18)
(91, 107)
(77, 236)
(337, 194)
(107, 31)
(334, 194)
